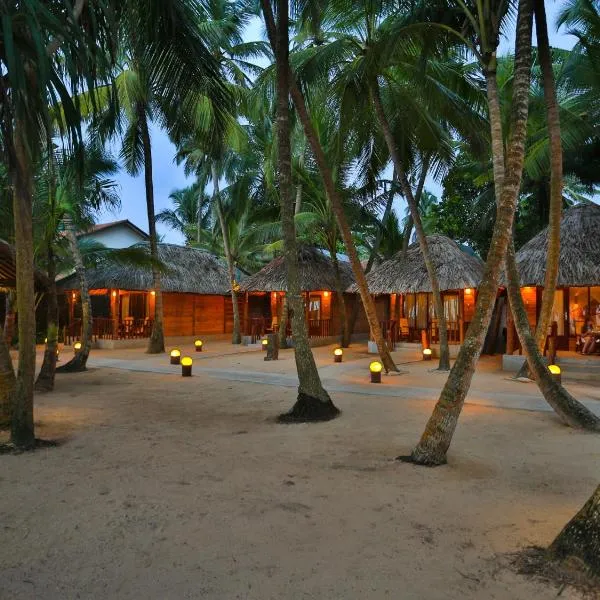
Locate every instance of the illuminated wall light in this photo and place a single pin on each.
(153, 293)
(114, 294)
(326, 294)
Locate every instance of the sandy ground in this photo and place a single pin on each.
(168, 488)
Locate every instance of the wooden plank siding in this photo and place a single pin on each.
(195, 314)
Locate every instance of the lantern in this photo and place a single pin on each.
(427, 354)
(337, 355)
(555, 372)
(265, 344)
(77, 347)
(175, 356)
(186, 366)
(375, 369)
(198, 345)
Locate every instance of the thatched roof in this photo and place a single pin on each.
(579, 263)
(8, 271)
(187, 270)
(315, 271)
(456, 269)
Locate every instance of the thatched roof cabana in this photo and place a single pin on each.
(579, 263)
(186, 270)
(315, 271)
(400, 274)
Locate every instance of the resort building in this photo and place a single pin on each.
(265, 292)
(404, 299)
(577, 298)
(196, 298)
(118, 234)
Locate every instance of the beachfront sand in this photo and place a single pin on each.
(169, 488)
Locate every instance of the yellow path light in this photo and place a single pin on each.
(375, 368)
(175, 356)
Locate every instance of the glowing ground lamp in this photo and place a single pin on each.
(186, 366)
(175, 356)
(337, 355)
(198, 345)
(555, 372)
(265, 344)
(427, 354)
(76, 347)
(375, 368)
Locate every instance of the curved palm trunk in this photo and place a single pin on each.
(580, 538)
(313, 403)
(339, 291)
(156, 343)
(444, 364)
(338, 210)
(79, 361)
(45, 379)
(7, 383)
(236, 337)
(435, 441)
(571, 411)
(556, 180)
(9, 317)
(22, 433)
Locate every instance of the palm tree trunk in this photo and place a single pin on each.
(236, 337)
(406, 234)
(580, 538)
(338, 210)
(571, 411)
(22, 428)
(298, 203)
(339, 291)
(283, 323)
(45, 379)
(556, 180)
(156, 343)
(313, 403)
(444, 364)
(435, 441)
(387, 211)
(7, 383)
(79, 361)
(9, 317)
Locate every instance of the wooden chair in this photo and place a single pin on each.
(403, 330)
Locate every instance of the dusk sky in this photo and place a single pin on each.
(169, 177)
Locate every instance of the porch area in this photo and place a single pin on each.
(262, 314)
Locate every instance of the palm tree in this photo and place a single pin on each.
(147, 92)
(313, 403)
(580, 538)
(38, 77)
(79, 196)
(52, 52)
(436, 439)
(191, 212)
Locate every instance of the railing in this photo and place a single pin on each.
(454, 332)
(319, 328)
(257, 327)
(109, 329)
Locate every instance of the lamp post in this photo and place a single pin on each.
(186, 366)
